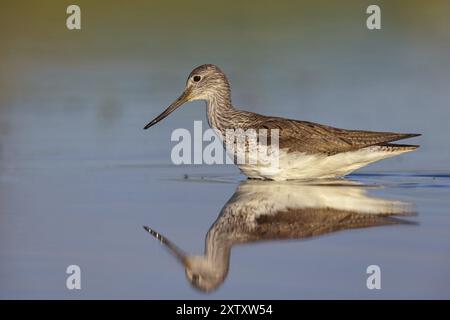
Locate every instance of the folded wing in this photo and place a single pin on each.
(310, 137)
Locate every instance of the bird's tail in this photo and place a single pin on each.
(398, 148)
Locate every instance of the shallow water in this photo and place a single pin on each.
(79, 177)
(95, 217)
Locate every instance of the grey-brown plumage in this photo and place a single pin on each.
(314, 138)
(260, 211)
(296, 137)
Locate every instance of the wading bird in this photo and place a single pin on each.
(305, 150)
(272, 211)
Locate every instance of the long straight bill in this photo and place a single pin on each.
(177, 103)
(177, 252)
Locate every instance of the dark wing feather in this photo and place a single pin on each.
(309, 137)
(313, 222)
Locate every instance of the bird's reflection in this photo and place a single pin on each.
(269, 211)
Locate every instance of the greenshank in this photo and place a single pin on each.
(306, 150)
(271, 211)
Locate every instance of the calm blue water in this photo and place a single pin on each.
(79, 177)
(92, 215)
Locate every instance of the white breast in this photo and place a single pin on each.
(296, 165)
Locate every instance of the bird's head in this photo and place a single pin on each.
(203, 274)
(205, 82)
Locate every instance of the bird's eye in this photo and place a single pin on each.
(195, 277)
(196, 78)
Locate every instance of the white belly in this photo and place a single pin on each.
(300, 166)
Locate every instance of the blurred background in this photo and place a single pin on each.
(74, 159)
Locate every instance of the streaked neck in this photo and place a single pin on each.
(218, 109)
